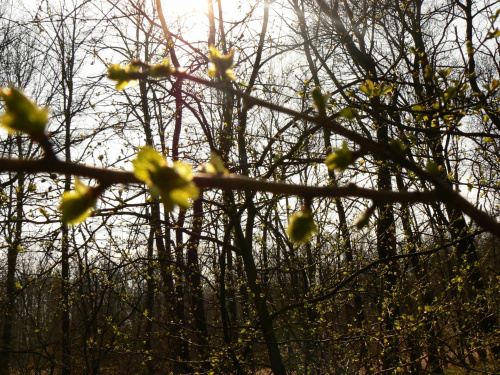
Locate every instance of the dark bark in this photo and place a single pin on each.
(194, 278)
(8, 305)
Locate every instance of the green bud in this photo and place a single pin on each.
(173, 184)
(77, 205)
(215, 166)
(493, 34)
(340, 159)
(493, 85)
(349, 113)
(124, 77)
(221, 64)
(320, 100)
(301, 226)
(367, 87)
(163, 70)
(364, 219)
(21, 114)
(432, 167)
(397, 146)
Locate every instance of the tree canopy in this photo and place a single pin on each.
(288, 186)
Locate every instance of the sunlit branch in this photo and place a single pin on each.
(108, 177)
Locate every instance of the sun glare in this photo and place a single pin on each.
(184, 7)
(191, 7)
(192, 15)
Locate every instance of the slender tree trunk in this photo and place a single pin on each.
(149, 305)
(194, 279)
(185, 356)
(211, 22)
(8, 316)
(420, 274)
(260, 304)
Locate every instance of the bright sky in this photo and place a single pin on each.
(179, 7)
(193, 14)
(184, 6)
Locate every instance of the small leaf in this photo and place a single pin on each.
(340, 159)
(21, 114)
(366, 89)
(349, 113)
(468, 45)
(397, 146)
(215, 166)
(495, 16)
(364, 219)
(493, 85)
(77, 205)
(444, 72)
(173, 184)
(301, 226)
(147, 162)
(320, 100)
(124, 77)
(162, 70)
(385, 88)
(221, 64)
(432, 167)
(428, 73)
(493, 34)
(372, 90)
(181, 197)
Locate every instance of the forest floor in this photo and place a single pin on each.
(488, 368)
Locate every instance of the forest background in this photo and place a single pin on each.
(369, 129)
